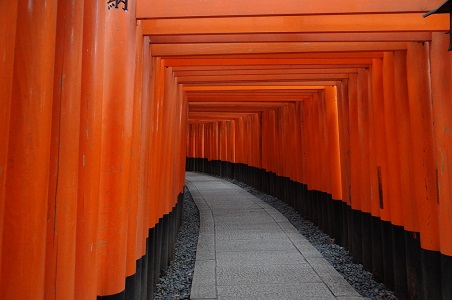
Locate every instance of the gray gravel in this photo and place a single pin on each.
(176, 283)
(336, 255)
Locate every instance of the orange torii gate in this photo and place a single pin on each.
(342, 109)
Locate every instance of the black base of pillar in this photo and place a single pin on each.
(413, 265)
(431, 274)
(141, 285)
(399, 261)
(377, 250)
(366, 240)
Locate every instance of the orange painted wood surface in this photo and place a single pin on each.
(90, 151)
(64, 154)
(293, 37)
(178, 8)
(134, 237)
(298, 24)
(8, 21)
(26, 185)
(115, 151)
(442, 108)
(424, 180)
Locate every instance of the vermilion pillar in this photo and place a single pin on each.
(344, 137)
(143, 201)
(117, 113)
(24, 227)
(355, 152)
(442, 116)
(390, 117)
(424, 167)
(134, 233)
(64, 153)
(402, 111)
(380, 203)
(332, 123)
(8, 21)
(364, 128)
(89, 152)
(155, 140)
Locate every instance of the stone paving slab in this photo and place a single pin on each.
(266, 244)
(249, 258)
(300, 291)
(248, 250)
(265, 274)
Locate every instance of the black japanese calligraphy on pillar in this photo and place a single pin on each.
(117, 3)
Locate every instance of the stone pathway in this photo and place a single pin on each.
(248, 250)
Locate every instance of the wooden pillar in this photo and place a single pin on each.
(404, 140)
(343, 104)
(143, 201)
(90, 153)
(8, 23)
(441, 64)
(364, 128)
(134, 238)
(344, 137)
(156, 86)
(394, 196)
(424, 170)
(424, 167)
(355, 152)
(332, 123)
(64, 153)
(26, 184)
(117, 112)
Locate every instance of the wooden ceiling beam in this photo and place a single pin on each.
(178, 62)
(250, 88)
(201, 8)
(227, 104)
(293, 37)
(166, 50)
(263, 67)
(264, 71)
(261, 77)
(276, 83)
(391, 22)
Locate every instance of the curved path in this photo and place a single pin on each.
(248, 250)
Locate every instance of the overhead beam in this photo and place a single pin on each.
(262, 77)
(237, 108)
(282, 47)
(264, 71)
(178, 62)
(227, 104)
(305, 55)
(293, 37)
(249, 88)
(263, 67)
(251, 98)
(200, 8)
(276, 83)
(298, 24)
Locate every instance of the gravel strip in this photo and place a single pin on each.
(336, 255)
(176, 283)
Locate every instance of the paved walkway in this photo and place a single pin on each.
(248, 250)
